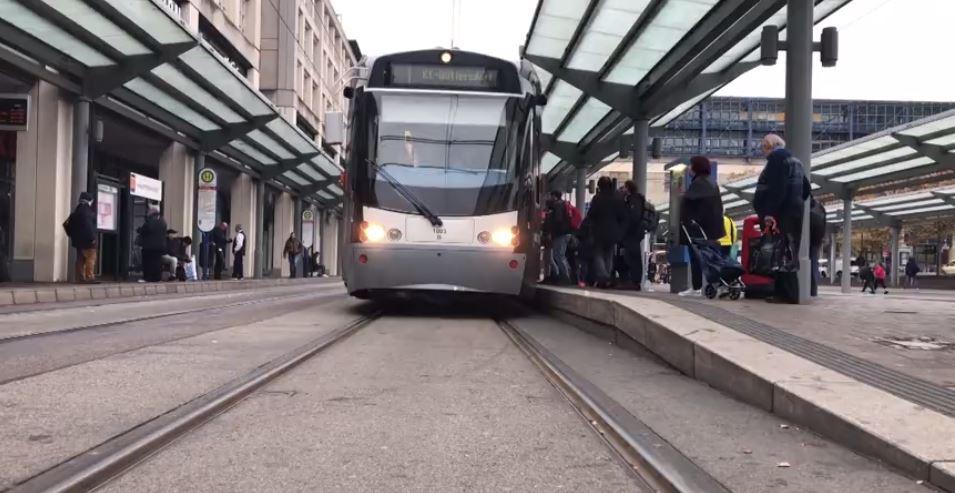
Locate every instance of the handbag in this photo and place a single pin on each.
(768, 255)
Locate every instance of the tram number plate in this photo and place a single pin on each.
(453, 231)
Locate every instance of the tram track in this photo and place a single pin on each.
(98, 465)
(155, 316)
(647, 455)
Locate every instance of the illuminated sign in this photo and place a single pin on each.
(443, 76)
(14, 111)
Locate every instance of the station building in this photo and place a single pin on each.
(211, 109)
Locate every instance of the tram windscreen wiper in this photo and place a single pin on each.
(406, 194)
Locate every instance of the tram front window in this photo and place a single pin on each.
(455, 153)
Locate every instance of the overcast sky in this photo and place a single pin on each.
(888, 49)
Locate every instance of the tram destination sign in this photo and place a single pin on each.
(443, 76)
(14, 112)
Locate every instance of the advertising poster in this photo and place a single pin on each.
(106, 205)
(206, 199)
(308, 227)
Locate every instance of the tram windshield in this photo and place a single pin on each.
(457, 154)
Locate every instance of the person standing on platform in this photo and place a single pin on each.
(238, 253)
(293, 250)
(729, 238)
(779, 201)
(632, 242)
(557, 225)
(912, 270)
(605, 223)
(81, 230)
(701, 214)
(155, 243)
(220, 239)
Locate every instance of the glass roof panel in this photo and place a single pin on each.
(559, 103)
(311, 172)
(228, 81)
(325, 195)
(909, 205)
(859, 163)
(735, 204)
(27, 21)
(252, 152)
(947, 123)
(548, 162)
(292, 135)
(177, 108)
(295, 177)
(153, 19)
(326, 165)
(99, 26)
(682, 108)
(269, 143)
(612, 157)
(852, 150)
(589, 115)
(885, 170)
(555, 25)
(895, 199)
(945, 141)
(922, 210)
(674, 21)
(200, 96)
(336, 190)
(611, 22)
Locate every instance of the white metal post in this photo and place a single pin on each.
(641, 140)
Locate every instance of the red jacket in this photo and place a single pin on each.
(879, 272)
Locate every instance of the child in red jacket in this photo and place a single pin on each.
(879, 273)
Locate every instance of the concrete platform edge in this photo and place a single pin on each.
(692, 352)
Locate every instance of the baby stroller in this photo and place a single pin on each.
(721, 275)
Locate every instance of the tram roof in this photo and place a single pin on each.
(137, 58)
(606, 63)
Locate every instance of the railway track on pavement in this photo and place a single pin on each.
(96, 466)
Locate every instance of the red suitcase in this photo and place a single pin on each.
(756, 285)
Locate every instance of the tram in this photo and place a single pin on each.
(442, 175)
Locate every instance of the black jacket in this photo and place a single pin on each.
(702, 204)
(557, 222)
(81, 227)
(635, 204)
(782, 187)
(220, 237)
(607, 218)
(152, 234)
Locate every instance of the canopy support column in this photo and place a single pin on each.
(894, 263)
(580, 187)
(832, 259)
(641, 141)
(847, 243)
(81, 162)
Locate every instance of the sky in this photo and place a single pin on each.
(888, 49)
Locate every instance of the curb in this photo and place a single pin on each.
(912, 438)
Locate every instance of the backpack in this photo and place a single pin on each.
(574, 215)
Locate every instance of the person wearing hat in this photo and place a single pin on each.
(154, 242)
(81, 230)
(701, 213)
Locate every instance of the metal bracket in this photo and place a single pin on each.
(101, 80)
(770, 45)
(618, 96)
(289, 165)
(880, 217)
(212, 140)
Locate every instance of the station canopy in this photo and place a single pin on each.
(890, 174)
(137, 58)
(606, 63)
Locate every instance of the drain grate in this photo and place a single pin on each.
(903, 385)
(923, 343)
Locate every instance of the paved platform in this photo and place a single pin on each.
(32, 294)
(874, 372)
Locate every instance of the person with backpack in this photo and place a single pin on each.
(81, 230)
(605, 223)
(781, 192)
(558, 226)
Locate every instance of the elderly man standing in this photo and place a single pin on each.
(781, 193)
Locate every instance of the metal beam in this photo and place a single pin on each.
(948, 199)
(633, 33)
(152, 124)
(100, 81)
(317, 187)
(215, 139)
(289, 164)
(880, 217)
(25, 43)
(678, 94)
(618, 96)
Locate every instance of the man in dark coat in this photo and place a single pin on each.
(780, 196)
(81, 229)
(154, 242)
(701, 213)
(238, 253)
(557, 226)
(607, 220)
(220, 240)
(632, 241)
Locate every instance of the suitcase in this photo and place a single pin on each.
(756, 286)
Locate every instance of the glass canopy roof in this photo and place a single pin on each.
(175, 79)
(603, 63)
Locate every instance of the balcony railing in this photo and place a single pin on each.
(172, 6)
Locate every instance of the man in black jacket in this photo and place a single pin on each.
(153, 239)
(605, 224)
(781, 192)
(558, 227)
(220, 239)
(632, 241)
(81, 229)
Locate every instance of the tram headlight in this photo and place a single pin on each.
(372, 232)
(394, 234)
(503, 237)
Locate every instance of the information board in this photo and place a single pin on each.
(206, 199)
(107, 198)
(446, 76)
(308, 228)
(14, 112)
(145, 187)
